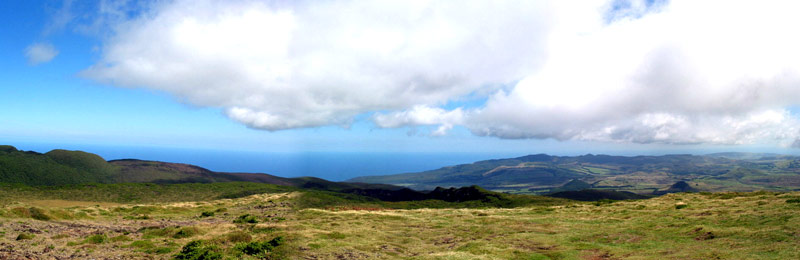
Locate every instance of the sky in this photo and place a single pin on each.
(507, 77)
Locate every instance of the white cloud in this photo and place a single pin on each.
(281, 66)
(422, 115)
(693, 72)
(719, 72)
(39, 53)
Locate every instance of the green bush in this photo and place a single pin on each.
(793, 201)
(186, 232)
(246, 218)
(680, 206)
(207, 214)
(199, 250)
(259, 249)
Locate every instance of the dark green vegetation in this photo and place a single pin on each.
(595, 195)
(541, 174)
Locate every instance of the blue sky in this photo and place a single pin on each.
(528, 77)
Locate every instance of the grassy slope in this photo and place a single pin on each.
(677, 226)
(54, 167)
(137, 192)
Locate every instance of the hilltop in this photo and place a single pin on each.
(62, 167)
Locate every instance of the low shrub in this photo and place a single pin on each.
(32, 212)
(143, 244)
(186, 232)
(199, 250)
(25, 236)
(259, 249)
(259, 230)
(246, 218)
(96, 239)
(206, 214)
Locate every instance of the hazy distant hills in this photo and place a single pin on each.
(64, 169)
(538, 173)
(543, 173)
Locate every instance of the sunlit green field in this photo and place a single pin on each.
(277, 225)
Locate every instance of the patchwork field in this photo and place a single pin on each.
(284, 225)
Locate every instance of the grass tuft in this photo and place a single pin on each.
(25, 236)
(186, 232)
(238, 237)
(96, 239)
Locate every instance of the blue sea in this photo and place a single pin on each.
(334, 166)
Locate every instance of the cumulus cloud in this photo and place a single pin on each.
(686, 72)
(678, 72)
(39, 53)
(690, 73)
(289, 65)
(422, 115)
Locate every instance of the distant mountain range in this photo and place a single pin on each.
(542, 174)
(62, 167)
(598, 176)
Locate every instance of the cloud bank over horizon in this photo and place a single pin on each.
(678, 72)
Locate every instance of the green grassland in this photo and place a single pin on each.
(212, 221)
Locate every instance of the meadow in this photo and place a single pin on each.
(272, 223)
